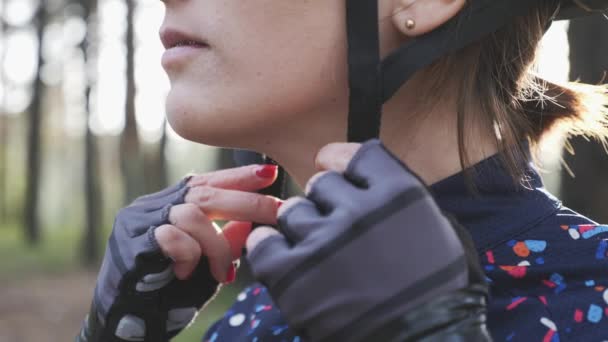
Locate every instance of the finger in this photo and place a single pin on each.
(180, 247)
(298, 218)
(258, 236)
(335, 156)
(190, 219)
(140, 216)
(267, 250)
(246, 178)
(221, 204)
(374, 164)
(329, 189)
(313, 180)
(236, 234)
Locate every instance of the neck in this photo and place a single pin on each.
(425, 136)
(425, 140)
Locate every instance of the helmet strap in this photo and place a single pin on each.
(373, 81)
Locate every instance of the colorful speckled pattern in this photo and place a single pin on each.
(252, 318)
(547, 266)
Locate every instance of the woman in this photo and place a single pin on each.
(368, 254)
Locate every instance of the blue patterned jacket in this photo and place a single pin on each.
(547, 266)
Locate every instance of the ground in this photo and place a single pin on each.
(50, 308)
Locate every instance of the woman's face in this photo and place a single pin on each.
(265, 63)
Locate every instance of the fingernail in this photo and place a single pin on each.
(231, 276)
(266, 171)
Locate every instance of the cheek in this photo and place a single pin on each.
(249, 87)
(297, 82)
(240, 108)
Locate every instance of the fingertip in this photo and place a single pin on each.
(266, 171)
(258, 235)
(231, 274)
(335, 156)
(223, 273)
(182, 271)
(236, 233)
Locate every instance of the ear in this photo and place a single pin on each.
(417, 17)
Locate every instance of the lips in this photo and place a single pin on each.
(181, 48)
(172, 38)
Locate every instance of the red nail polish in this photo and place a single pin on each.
(266, 171)
(231, 276)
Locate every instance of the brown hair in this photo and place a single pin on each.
(496, 76)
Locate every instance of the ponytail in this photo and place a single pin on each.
(518, 107)
(575, 109)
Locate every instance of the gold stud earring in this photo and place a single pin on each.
(410, 24)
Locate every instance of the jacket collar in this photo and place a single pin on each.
(500, 209)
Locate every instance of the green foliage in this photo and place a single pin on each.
(213, 312)
(57, 253)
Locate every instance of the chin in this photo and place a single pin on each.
(197, 120)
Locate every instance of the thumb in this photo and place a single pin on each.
(236, 233)
(336, 156)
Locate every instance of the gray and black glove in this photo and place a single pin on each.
(138, 297)
(369, 256)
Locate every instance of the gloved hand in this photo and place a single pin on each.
(165, 258)
(369, 256)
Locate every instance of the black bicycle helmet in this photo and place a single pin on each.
(571, 9)
(373, 81)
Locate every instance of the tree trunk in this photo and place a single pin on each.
(3, 125)
(163, 174)
(92, 187)
(32, 224)
(156, 165)
(588, 191)
(131, 156)
(3, 163)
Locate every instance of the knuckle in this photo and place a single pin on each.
(193, 253)
(200, 180)
(260, 204)
(289, 204)
(167, 236)
(204, 195)
(190, 212)
(314, 180)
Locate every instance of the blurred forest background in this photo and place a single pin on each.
(82, 133)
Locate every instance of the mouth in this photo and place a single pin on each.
(180, 48)
(173, 38)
